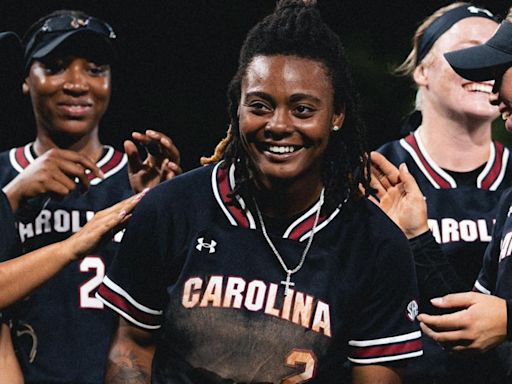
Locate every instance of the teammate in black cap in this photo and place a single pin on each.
(57, 183)
(268, 265)
(485, 320)
(460, 170)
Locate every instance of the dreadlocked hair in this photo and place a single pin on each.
(297, 29)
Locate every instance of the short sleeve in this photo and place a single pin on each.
(134, 285)
(386, 328)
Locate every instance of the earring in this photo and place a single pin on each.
(335, 128)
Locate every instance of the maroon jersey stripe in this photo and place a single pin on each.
(225, 190)
(125, 306)
(411, 140)
(386, 350)
(305, 226)
(496, 167)
(20, 157)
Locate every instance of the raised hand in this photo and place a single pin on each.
(54, 173)
(398, 195)
(162, 161)
(479, 325)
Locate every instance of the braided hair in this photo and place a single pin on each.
(297, 29)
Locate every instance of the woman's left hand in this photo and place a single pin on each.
(162, 161)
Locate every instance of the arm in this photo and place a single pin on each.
(436, 276)
(130, 356)
(9, 367)
(399, 196)
(480, 323)
(376, 374)
(21, 275)
(161, 163)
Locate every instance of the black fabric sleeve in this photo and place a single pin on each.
(436, 276)
(509, 319)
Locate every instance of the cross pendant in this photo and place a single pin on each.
(287, 283)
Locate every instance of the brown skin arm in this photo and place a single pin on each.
(21, 275)
(130, 355)
(376, 374)
(9, 367)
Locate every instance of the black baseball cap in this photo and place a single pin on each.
(59, 29)
(486, 61)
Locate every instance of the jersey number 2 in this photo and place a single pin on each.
(88, 289)
(300, 358)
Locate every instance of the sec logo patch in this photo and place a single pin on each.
(412, 310)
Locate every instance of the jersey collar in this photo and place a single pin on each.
(110, 162)
(223, 183)
(490, 178)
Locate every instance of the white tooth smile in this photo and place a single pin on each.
(281, 149)
(477, 87)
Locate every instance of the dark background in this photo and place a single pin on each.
(177, 57)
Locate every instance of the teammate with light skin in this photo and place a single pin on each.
(461, 171)
(292, 149)
(481, 321)
(484, 321)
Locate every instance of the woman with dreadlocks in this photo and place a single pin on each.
(267, 265)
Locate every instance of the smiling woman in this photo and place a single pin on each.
(56, 184)
(271, 238)
(461, 172)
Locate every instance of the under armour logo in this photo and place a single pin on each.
(474, 9)
(509, 211)
(202, 245)
(412, 310)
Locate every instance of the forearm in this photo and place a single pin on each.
(436, 276)
(21, 275)
(509, 319)
(130, 357)
(13, 195)
(9, 367)
(376, 374)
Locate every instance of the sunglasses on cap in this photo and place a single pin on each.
(67, 23)
(58, 29)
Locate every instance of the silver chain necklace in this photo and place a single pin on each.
(289, 272)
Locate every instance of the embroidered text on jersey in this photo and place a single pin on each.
(449, 230)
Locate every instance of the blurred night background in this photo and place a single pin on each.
(177, 57)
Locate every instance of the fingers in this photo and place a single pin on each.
(74, 157)
(170, 151)
(384, 170)
(166, 148)
(456, 300)
(410, 185)
(453, 340)
(132, 153)
(443, 323)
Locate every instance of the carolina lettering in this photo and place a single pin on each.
(448, 230)
(257, 295)
(59, 221)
